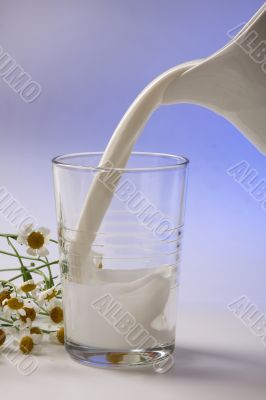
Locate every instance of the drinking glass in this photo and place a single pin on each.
(120, 281)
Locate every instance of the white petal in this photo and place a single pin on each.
(31, 252)
(44, 231)
(22, 239)
(42, 252)
(53, 303)
(17, 323)
(41, 302)
(35, 292)
(25, 331)
(7, 312)
(22, 312)
(28, 322)
(28, 282)
(36, 337)
(4, 304)
(11, 330)
(47, 239)
(27, 230)
(53, 338)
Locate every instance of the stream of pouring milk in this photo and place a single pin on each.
(149, 295)
(229, 83)
(118, 152)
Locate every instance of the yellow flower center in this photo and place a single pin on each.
(35, 330)
(15, 304)
(2, 337)
(28, 287)
(51, 295)
(26, 344)
(30, 313)
(35, 240)
(56, 314)
(4, 295)
(115, 358)
(60, 335)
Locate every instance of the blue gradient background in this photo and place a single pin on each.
(92, 58)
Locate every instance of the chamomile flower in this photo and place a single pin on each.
(13, 306)
(25, 342)
(48, 295)
(115, 358)
(4, 294)
(56, 312)
(36, 334)
(35, 240)
(29, 339)
(25, 306)
(31, 311)
(29, 286)
(58, 336)
(25, 321)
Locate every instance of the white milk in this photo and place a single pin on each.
(96, 311)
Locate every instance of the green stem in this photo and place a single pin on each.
(6, 320)
(10, 235)
(51, 281)
(34, 269)
(9, 284)
(46, 331)
(23, 257)
(9, 269)
(43, 313)
(26, 275)
(45, 279)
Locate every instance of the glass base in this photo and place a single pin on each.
(106, 358)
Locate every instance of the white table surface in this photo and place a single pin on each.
(217, 357)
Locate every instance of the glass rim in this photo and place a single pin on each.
(180, 162)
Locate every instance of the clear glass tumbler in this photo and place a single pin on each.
(120, 280)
